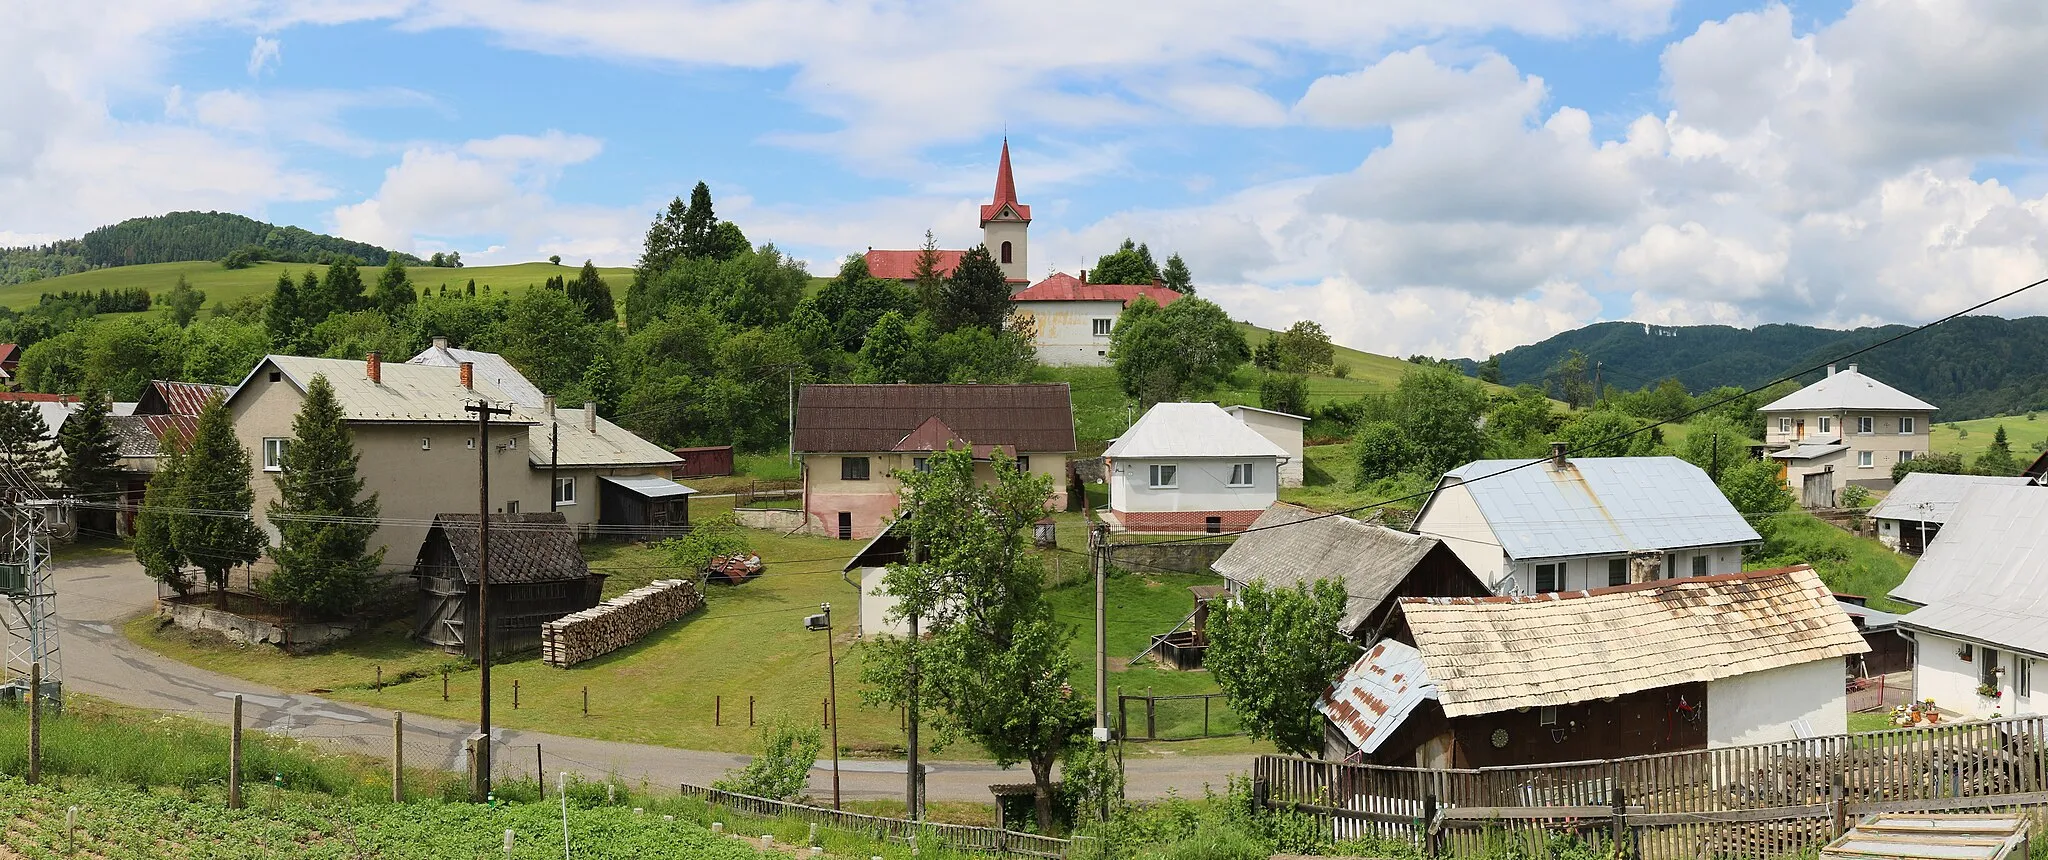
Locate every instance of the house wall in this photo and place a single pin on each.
(1202, 489)
(584, 511)
(1066, 331)
(873, 501)
(1885, 443)
(1644, 723)
(1282, 431)
(1581, 572)
(1760, 707)
(412, 484)
(1940, 673)
(1453, 517)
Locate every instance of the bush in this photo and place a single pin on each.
(1341, 370)
(720, 535)
(1854, 496)
(781, 770)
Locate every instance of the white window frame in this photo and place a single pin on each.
(1240, 475)
(1905, 456)
(1866, 459)
(1905, 425)
(565, 498)
(1784, 425)
(1164, 476)
(1827, 424)
(2023, 677)
(273, 452)
(1101, 326)
(1865, 425)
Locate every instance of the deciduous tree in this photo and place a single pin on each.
(323, 519)
(1130, 263)
(1274, 653)
(1174, 353)
(183, 302)
(1284, 392)
(1305, 348)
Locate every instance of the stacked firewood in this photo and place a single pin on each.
(618, 622)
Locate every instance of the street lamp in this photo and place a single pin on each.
(823, 621)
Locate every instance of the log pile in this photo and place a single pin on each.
(617, 623)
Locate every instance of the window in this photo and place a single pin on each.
(1670, 566)
(1212, 525)
(426, 443)
(273, 453)
(1023, 463)
(1906, 426)
(1548, 578)
(1865, 459)
(1006, 252)
(1165, 477)
(1699, 565)
(511, 506)
(277, 376)
(1546, 715)
(1827, 423)
(1617, 571)
(1987, 668)
(565, 491)
(1240, 474)
(1866, 424)
(2023, 678)
(1102, 327)
(1905, 456)
(853, 468)
(1784, 425)
(920, 464)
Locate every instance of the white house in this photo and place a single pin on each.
(1982, 589)
(1535, 526)
(1190, 467)
(1282, 429)
(1073, 317)
(1845, 429)
(1914, 511)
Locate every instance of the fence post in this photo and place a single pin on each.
(586, 700)
(540, 773)
(444, 685)
(1429, 825)
(35, 721)
(1151, 716)
(515, 694)
(1620, 804)
(235, 758)
(1205, 716)
(717, 710)
(1839, 800)
(397, 756)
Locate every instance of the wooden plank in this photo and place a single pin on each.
(2032, 798)
(1535, 813)
(1730, 816)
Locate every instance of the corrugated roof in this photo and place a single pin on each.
(610, 445)
(1062, 287)
(1598, 505)
(902, 265)
(1986, 576)
(406, 392)
(1379, 691)
(536, 547)
(1369, 561)
(1809, 451)
(1030, 418)
(1873, 619)
(164, 397)
(1489, 654)
(142, 436)
(487, 365)
(1928, 497)
(650, 486)
(1848, 390)
(1191, 430)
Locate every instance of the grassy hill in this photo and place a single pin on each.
(1970, 438)
(226, 285)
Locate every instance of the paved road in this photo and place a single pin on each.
(96, 596)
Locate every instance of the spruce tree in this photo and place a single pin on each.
(699, 225)
(92, 458)
(594, 296)
(929, 280)
(1177, 277)
(154, 547)
(282, 317)
(25, 442)
(343, 288)
(1997, 459)
(324, 521)
(977, 294)
(664, 243)
(394, 289)
(216, 482)
(314, 302)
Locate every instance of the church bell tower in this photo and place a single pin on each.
(1005, 223)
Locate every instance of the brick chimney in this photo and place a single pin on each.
(1557, 459)
(440, 342)
(373, 367)
(590, 416)
(468, 374)
(1084, 276)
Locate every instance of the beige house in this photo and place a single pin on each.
(1847, 428)
(1281, 428)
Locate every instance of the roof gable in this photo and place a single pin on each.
(1030, 418)
(403, 393)
(1849, 390)
(1062, 287)
(1371, 699)
(1370, 561)
(163, 397)
(1597, 506)
(536, 547)
(1191, 430)
(485, 365)
(1929, 497)
(902, 265)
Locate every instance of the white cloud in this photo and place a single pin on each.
(266, 54)
(1404, 85)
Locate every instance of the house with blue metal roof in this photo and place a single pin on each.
(1568, 524)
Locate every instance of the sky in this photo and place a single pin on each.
(1447, 177)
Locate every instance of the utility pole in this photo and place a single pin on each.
(1098, 544)
(554, 462)
(1596, 382)
(823, 621)
(792, 416)
(480, 786)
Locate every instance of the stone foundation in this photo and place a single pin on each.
(292, 636)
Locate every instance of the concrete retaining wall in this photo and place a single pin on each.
(771, 519)
(293, 637)
(1191, 557)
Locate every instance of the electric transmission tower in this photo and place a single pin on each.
(30, 615)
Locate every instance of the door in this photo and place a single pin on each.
(1798, 429)
(1817, 490)
(846, 525)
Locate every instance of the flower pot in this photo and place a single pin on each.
(1932, 717)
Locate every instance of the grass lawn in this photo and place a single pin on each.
(2021, 433)
(1872, 722)
(1326, 484)
(1847, 563)
(225, 285)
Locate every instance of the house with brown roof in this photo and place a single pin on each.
(1073, 318)
(1654, 667)
(855, 439)
(1377, 566)
(1005, 225)
(537, 574)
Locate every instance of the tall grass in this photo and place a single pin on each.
(1847, 563)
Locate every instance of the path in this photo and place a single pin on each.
(96, 596)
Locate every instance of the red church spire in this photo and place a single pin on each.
(1006, 194)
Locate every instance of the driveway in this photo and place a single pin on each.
(94, 597)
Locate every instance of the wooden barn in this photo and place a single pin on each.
(537, 575)
(643, 506)
(1655, 667)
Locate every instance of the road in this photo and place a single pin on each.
(95, 596)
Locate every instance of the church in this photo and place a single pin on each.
(1072, 317)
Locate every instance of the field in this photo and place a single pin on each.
(227, 285)
(2021, 433)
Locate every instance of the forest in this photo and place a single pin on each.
(180, 237)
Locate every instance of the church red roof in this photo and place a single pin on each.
(902, 265)
(1006, 194)
(1063, 287)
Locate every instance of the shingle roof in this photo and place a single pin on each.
(1932, 498)
(536, 547)
(1369, 701)
(1191, 430)
(142, 436)
(611, 445)
(1062, 287)
(1598, 505)
(1370, 561)
(902, 265)
(486, 365)
(407, 392)
(1848, 390)
(1489, 654)
(1032, 418)
(1986, 576)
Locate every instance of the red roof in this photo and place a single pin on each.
(1063, 287)
(1006, 194)
(38, 397)
(902, 265)
(164, 397)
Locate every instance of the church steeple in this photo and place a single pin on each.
(1005, 222)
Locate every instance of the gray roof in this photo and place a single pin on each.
(610, 446)
(1597, 506)
(1370, 561)
(536, 547)
(1809, 450)
(487, 365)
(1848, 390)
(1932, 498)
(1986, 576)
(1243, 408)
(1191, 430)
(404, 392)
(649, 486)
(1873, 619)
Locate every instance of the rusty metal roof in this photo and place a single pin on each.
(1489, 654)
(1379, 691)
(142, 436)
(164, 397)
(1369, 561)
(1031, 418)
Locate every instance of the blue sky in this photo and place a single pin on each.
(1428, 176)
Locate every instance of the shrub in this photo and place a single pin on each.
(781, 770)
(1854, 496)
(1341, 370)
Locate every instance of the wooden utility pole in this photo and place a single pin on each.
(554, 461)
(235, 758)
(480, 776)
(1098, 545)
(397, 756)
(910, 716)
(832, 711)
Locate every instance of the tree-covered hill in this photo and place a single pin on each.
(183, 236)
(1970, 367)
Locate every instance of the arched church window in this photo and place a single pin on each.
(1006, 252)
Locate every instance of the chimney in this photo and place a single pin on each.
(1084, 276)
(1852, 368)
(1557, 456)
(1831, 370)
(549, 402)
(1645, 566)
(440, 342)
(468, 374)
(373, 366)
(590, 416)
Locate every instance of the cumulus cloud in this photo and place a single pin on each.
(266, 54)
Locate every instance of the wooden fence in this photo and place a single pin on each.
(1762, 800)
(959, 837)
(1189, 716)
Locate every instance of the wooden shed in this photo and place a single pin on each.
(537, 575)
(709, 461)
(643, 506)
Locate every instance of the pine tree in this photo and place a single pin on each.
(282, 317)
(977, 294)
(92, 458)
(663, 246)
(394, 289)
(595, 296)
(471, 291)
(699, 225)
(217, 483)
(154, 547)
(324, 522)
(343, 288)
(314, 303)
(929, 279)
(25, 442)
(1177, 277)
(1997, 459)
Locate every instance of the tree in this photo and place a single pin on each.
(889, 353)
(454, 259)
(1607, 433)
(555, 259)
(1438, 413)
(1129, 264)
(222, 349)
(782, 768)
(183, 301)
(1284, 392)
(1173, 353)
(929, 278)
(699, 224)
(601, 383)
(25, 445)
(1941, 463)
(976, 294)
(1520, 424)
(1997, 459)
(324, 522)
(1567, 380)
(1177, 277)
(342, 290)
(1274, 653)
(1305, 348)
(225, 535)
(593, 295)
(1381, 451)
(548, 338)
(996, 663)
(437, 261)
(1702, 449)
(727, 241)
(92, 457)
(155, 549)
(394, 289)
(1267, 356)
(663, 245)
(1754, 488)
(1489, 370)
(853, 301)
(282, 318)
